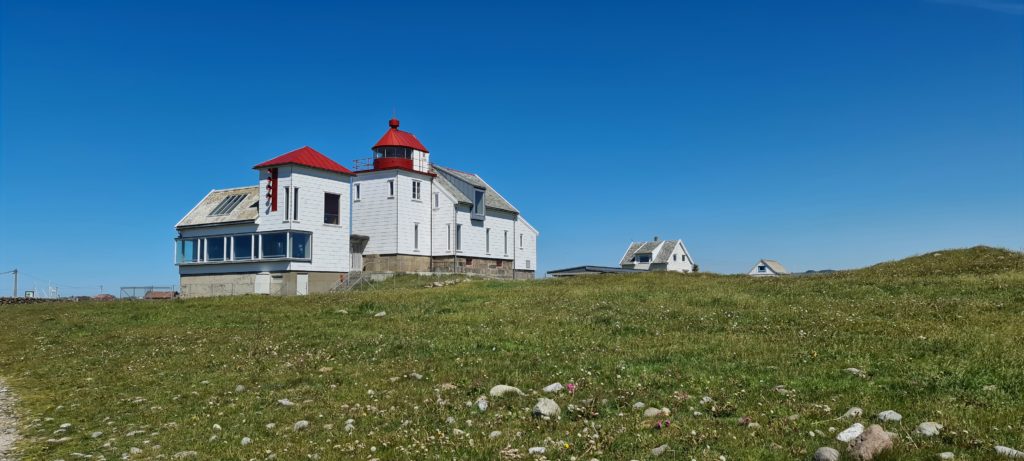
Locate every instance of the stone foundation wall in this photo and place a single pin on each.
(497, 268)
(396, 263)
(281, 283)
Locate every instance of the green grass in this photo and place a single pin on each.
(931, 332)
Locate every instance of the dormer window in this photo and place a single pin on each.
(479, 206)
(762, 268)
(642, 258)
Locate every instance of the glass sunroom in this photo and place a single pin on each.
(260, 246)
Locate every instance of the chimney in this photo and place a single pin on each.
(655, 238)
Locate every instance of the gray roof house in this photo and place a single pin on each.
(768, 268)
(658, 255)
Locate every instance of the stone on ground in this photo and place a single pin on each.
(546, 408)
(890, 416)
(553, 387)
(826, 454)
(300, 425)
(1009, 452)
(659, 450)
(928, 429)
(853, 412)
(850, 433)
(871, 443)
(501, 390)
(946, 455)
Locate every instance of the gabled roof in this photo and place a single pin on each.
(246, 211)
(305, 156)
(660, 250)
(772, 264)
(399, 138)
(492, 199)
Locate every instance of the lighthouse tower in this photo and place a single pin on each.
(391, 206)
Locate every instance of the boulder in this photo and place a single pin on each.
(546, 408)
(890, 416)
(871, 443)
(826, 454)
(1009, 452)
(853, 412)
(928, 429)
(850, 433)
(502, 390)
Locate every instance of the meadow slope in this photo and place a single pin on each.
(938, 336)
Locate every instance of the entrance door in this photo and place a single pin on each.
(301, 284)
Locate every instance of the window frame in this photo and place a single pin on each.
(391, 188)
(458, 238)
(417, 190)
(337, 216)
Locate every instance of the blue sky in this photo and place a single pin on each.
(822, 134)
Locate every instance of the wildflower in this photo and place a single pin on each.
(571, 387)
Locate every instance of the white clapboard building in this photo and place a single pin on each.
(311, 222)
(658, 255)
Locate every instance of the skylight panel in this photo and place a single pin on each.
(227, 205)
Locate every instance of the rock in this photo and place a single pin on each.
(494, 434)
(482, 404)
(928, 429)
(856, 372)
(639, 406)
(286, 402)
(185, 454)
(754, 425)
(853, 412)
(58, 441)
(135, 450)
(458, 432)
(659, 450)
(380, 314)
(554, 387)
(850, 433)
(826, 454)
(890, 416)
(782, 390)
(537, 450)
(300, 425)
(448, 387)
(501, 390)
(706, 400)
(946, 455)
(657, 412)
(239, 389)
(546, 408)
(450, 420)
(216, 427)
(871, 443)
(270, 426)
(1009, 452)
(415, 376)
(246, 441)
(96, 434)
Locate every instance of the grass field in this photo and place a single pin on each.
(938, 335)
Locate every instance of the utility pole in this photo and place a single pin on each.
(15, 283)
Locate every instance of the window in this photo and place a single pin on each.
(287, 202)
(469, 261)
(242, 247)
(458, 237)
(416, 186)
(437, 199)
(487, 238)
(188, 251)
(643, 258)
(332, 208)
(520, 241)
(300, 245)
(215, 249)
(274, 245)
(202, 249)
(295, 207)
(416, 236)
(358, 192)
(391, 188)
(683, 258)
(498, 263)
(449, 227)
(506, 243)
(675, 257)
(762, 268)
(478, 204)
(527, 263)
(226, 206)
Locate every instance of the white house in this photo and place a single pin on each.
(310, 222)
(658, 255)
(767, 268)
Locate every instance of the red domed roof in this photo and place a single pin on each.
(399, 138)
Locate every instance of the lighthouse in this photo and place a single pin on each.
(400, 149)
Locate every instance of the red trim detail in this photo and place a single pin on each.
(305, 156)
(273, 189)
(392, 162)
(359, 172)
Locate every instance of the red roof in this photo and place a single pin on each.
(305, 156)
(399, 138)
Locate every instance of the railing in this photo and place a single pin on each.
(362, 164)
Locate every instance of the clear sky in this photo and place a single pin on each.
(824, 134)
